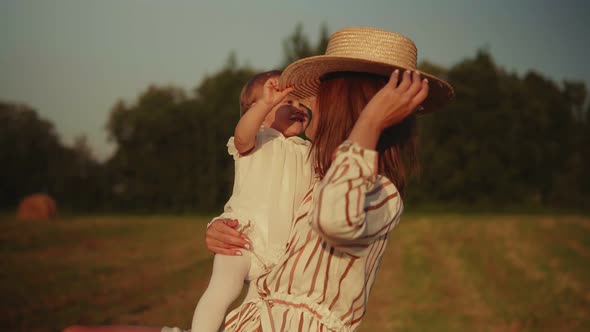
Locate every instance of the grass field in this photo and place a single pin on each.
(440, 273)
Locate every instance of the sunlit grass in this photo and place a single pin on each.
(440, 273)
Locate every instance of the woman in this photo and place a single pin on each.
(364, 147)
(363, 133)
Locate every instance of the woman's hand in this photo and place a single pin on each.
(223, 238)
(393, 103)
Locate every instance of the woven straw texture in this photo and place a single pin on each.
(367, 50)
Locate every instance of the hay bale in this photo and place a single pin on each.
(37, 207)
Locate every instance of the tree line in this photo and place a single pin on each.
(508, 140)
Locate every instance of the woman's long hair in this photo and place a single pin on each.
(341, 98)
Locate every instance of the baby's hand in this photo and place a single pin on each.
(272, 95)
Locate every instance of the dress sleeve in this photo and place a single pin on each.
(231, 149)
(352, 204)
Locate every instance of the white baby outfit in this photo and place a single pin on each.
(269, 184)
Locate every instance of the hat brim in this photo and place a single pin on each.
(305, 74)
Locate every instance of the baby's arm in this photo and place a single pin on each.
(245, 133)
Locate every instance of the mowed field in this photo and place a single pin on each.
(441, 272)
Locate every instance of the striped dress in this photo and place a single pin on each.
(335, 247)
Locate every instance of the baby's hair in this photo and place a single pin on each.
(248, 95)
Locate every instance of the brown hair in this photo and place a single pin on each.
(341, 98)
(249, 92)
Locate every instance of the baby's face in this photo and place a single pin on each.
(289, 117)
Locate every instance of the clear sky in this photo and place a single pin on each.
(72, 60)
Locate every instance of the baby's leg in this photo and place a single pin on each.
(224, 287)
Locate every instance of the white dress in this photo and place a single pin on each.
(269, 184)
(335, 249)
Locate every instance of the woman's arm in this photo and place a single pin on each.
(389, 106)
(350, 194)
(353, 205)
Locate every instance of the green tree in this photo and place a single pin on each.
(463, 145)
(28, 146)
(570, 186)
(32, 159)
(171, 153)
(504, 140)
(298, 46)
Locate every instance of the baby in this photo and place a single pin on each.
(272, 174)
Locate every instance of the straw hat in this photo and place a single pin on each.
(369, 50)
